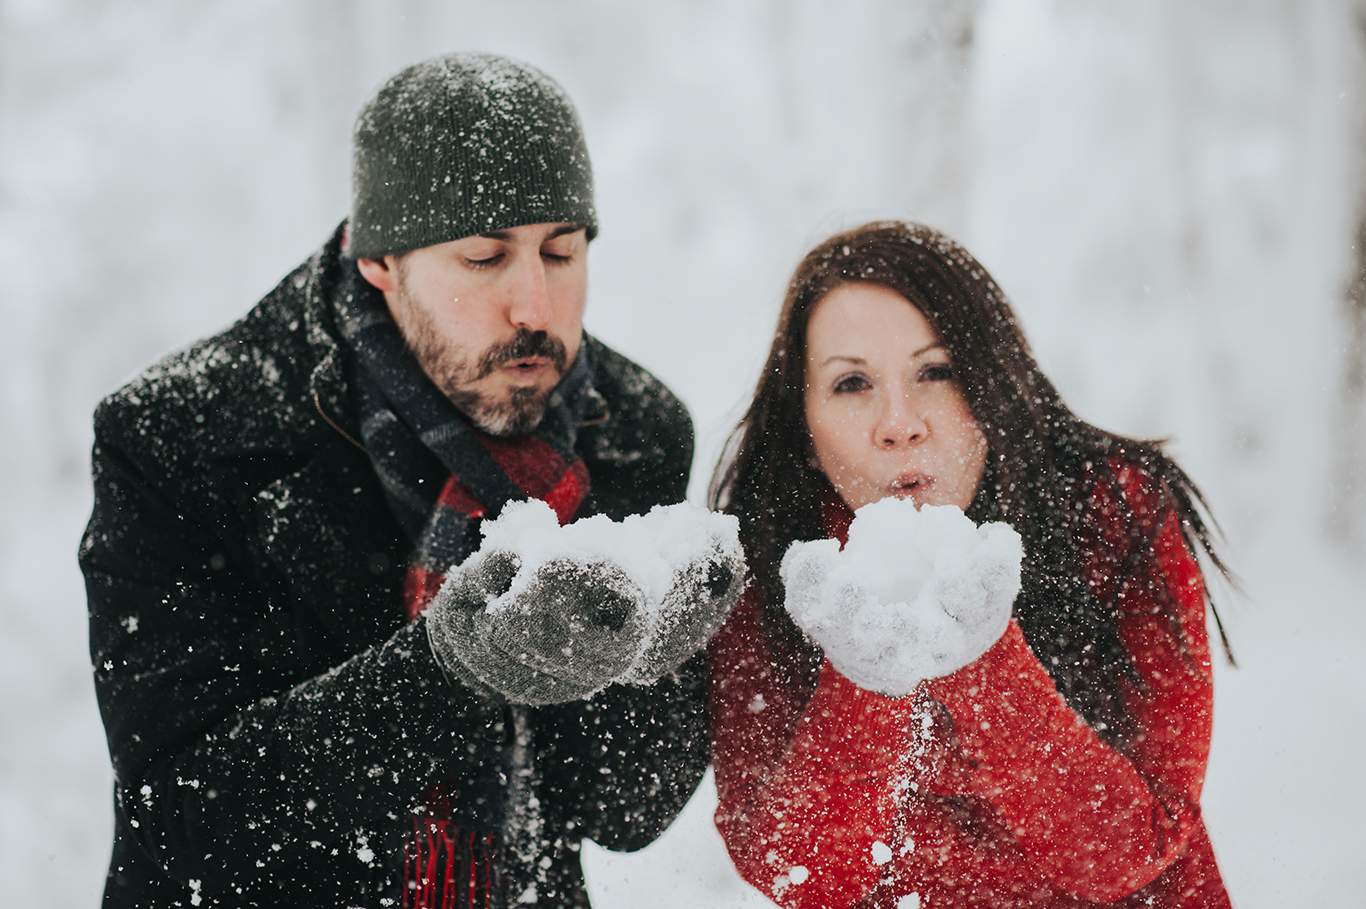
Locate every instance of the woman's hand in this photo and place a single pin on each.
(913, 595)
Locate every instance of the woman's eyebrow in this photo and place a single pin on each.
(859, 360)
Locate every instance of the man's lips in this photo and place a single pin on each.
(526, 367)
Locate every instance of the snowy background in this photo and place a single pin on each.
(1168, 190)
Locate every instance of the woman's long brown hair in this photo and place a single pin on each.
(1039, 455)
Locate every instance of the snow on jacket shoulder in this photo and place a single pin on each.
(985, 788)
(270, 718)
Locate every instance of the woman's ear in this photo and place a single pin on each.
(379, 272)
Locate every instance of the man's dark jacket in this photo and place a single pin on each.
(271, 719)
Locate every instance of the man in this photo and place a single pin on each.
(293, 719)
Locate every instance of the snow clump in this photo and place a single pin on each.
(914, 594)
(658, 550)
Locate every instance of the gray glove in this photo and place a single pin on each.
(568, 632)
(698, 601)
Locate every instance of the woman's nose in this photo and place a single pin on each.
(901, 423)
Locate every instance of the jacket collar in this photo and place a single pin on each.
(288, 348)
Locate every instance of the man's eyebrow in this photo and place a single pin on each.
(567, 229)
(557, 232)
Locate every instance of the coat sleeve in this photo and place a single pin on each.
(986, 786)
(805, 788)
(624, 763)
(236, 776)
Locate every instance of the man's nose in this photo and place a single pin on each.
(529, 300)
(901, 422)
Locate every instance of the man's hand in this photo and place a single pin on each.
(568, 632)
(544, 614)
(702, 594)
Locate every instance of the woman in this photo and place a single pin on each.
(1060, 768)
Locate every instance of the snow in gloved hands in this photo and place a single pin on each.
(913, 595)
(544, 614)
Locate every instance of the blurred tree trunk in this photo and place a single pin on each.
(1347, 511)
(935, 67)
(1347, 508)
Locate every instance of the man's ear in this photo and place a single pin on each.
(379, 272)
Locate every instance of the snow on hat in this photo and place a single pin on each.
(462, 145)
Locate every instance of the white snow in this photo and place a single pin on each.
(653, 549)
(915, 593)
(1166, 190)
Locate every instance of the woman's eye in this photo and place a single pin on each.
(936, 372)
(851, 384)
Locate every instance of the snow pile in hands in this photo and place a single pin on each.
(914, 594)
(661, 552)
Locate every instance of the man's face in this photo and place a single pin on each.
(494, 319)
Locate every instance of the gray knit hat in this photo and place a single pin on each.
(462, 145)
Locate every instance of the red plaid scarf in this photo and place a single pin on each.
(444, 865)
(415, 438)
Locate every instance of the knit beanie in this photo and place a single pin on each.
(462, 145)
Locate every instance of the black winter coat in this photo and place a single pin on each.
(271, 719)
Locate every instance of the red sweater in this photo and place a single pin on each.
(983, 788)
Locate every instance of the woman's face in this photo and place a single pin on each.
(886, 415)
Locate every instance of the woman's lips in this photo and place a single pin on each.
(911, 484)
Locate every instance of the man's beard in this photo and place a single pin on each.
(445, 364)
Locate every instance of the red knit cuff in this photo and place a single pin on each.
(853, 726)
(1001, 699)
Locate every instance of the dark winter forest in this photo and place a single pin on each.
(1171, 192)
